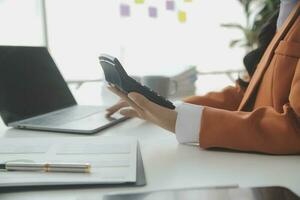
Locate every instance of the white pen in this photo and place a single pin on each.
(47, 167)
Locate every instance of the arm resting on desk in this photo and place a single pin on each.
(228, 99)
(262, 130)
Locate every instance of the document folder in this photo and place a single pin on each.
(116, 165)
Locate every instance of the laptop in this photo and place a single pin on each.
(34, 95)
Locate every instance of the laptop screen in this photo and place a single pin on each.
(30, 84)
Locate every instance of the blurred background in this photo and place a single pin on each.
(150, 37)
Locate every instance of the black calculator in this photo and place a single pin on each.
(117, 76)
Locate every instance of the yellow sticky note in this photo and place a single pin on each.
(139, 1)
(188, 1)
(182, 16)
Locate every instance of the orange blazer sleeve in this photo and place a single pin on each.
(228, 99)
(261, 130)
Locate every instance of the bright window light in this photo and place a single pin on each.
(80, 30)
(21, 23)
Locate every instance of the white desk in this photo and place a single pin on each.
(170, 165)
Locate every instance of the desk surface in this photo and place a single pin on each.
(169, 165)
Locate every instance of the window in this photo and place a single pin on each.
(79, 31)
(21, 23)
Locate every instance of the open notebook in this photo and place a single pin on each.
(114, 161)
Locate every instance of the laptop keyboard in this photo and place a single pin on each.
(66, 115)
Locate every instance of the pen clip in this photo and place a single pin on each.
(19, 160)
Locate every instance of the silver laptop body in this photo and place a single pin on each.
(34, 95)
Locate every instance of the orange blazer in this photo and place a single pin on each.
(266, 116)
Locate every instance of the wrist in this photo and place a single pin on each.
(172, 123)
(168, 121)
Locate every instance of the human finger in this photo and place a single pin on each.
(145, 103)
(128, 112)
(111, 110)
(124, 96)
(116, 91)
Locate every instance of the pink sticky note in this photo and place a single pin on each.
(170, 5)
(124, 10)
(152, 11)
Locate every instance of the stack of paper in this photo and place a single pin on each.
(184, 83)
(183, 80)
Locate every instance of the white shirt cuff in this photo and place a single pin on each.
(188, 123)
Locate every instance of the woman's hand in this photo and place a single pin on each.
(115, 108)
(136, 105)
